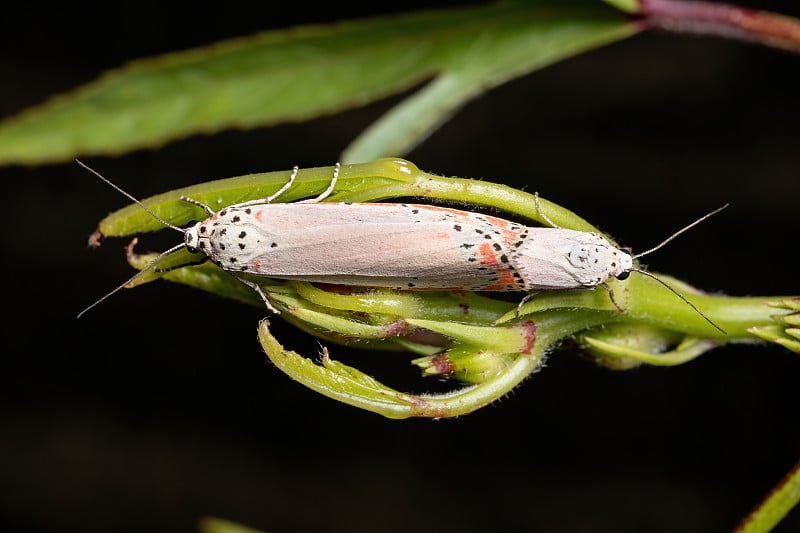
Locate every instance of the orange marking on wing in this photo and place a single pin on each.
(258, 214)
(506, 280)
(506, 273)
(487, 254)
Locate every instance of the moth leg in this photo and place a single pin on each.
(256, 287)
(207, 209)
(327, 192)
(524, 301)
(611, 295)
(539, 210)
(269, 199)
(285, 187)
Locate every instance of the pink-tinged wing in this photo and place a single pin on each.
(566, 259)
(381, 245)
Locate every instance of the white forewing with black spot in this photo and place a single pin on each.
(409, 246)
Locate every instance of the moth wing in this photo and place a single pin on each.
(554, 258)
(382, 245)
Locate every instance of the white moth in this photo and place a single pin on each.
(398, 245)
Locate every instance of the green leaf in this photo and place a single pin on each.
(309, 71)
(351, 386)
(362, 182)
(626, 346)
(784, 330)
(775, 506)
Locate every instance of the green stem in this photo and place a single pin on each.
(650, 302)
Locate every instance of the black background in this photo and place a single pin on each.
(159, 407)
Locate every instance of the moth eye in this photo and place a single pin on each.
(623, 275)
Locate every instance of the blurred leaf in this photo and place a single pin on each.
(218, 525)
(300, 73)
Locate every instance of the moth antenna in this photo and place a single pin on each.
(130, 197)
(690, 226)
(133, 278)
(679, 295)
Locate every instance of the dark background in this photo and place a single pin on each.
(159, 407)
